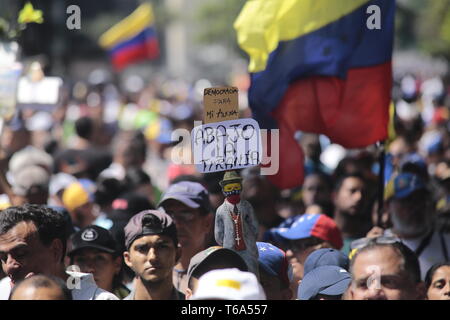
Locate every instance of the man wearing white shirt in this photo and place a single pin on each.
(33, 241)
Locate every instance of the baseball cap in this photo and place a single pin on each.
(402, 185)
(229, 284)
(59, 182)
(78, 193)
(150, 222)
(192, 194)
(313, 225)
(29, 156)
(326, 257)
(326, 280)
(220, 254)
(273, 261)
(30, 180)
(93, 237)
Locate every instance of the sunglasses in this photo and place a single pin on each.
(364, 242)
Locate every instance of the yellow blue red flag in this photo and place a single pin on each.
(320, 66)
(133, 39)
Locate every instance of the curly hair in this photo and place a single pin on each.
(50, 224)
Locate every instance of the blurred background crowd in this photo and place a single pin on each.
(103, 152)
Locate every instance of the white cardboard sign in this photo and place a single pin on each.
(227, 145)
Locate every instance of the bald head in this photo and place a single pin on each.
(41, 287)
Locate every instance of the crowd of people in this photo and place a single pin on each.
(92, 208)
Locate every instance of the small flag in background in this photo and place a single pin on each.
(133, 39)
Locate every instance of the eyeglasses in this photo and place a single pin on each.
(364, 242)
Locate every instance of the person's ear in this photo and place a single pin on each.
(126, 259)
(56, 248)
(188, 294)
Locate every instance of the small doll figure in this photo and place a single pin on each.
(236, 226)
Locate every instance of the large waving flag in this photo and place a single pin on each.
(317, 67)
(133, 39)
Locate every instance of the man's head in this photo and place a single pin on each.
(188, 205)
(409, 205)
(152, 246)
(209, 259)
(274, 272)
(95, 251)
(84, 127)
(40, 287)
(385, 269)
(308, 233)
(130, 149)
(32, 241)
(349, 194)
(30, 185)
(326, 257)
(78, 198)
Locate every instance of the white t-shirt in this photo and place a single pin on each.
(5, 288)
(82, 286)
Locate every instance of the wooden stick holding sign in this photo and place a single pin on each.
(226, 142)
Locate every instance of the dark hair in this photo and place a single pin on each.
(44, 281)
(410, 261)
(135, 177)
(84, 127)
(430, 273)
(132, 147)
(50, 224)
(108, 189)
(340, 179)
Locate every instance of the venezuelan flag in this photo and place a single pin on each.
(133, 39)
(318, 66)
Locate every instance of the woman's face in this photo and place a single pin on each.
(440, 284)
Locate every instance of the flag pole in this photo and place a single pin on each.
(381, 162)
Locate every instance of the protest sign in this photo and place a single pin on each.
(227, 145)
(43, 94)
(220, 104)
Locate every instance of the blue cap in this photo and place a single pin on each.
(273, 261)
(313, 225)
(271, 235)
(326, 280)
(326, 257)
(403, 185)
(192, 194)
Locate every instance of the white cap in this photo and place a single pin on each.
(59, 182)
(229, 284)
